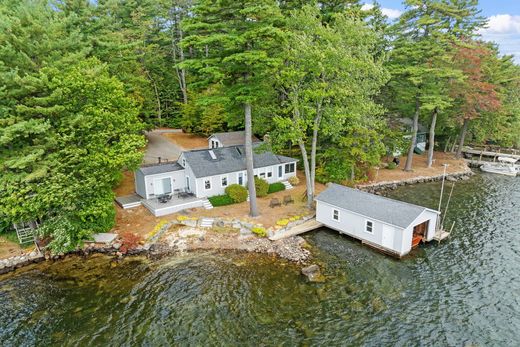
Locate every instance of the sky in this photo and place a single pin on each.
(503, 26)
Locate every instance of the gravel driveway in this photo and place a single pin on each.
(160, 146)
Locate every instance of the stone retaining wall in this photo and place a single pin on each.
(381, 186)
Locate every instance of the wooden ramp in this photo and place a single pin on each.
(441, 235)
(309, 225)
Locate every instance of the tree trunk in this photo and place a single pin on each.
(431, 146)
(181, 73)
(409, 158)
(462, 136)
(447, 145)
(314, 145)
(306, 168)
(253, 209)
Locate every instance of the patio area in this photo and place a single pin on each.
(160, 207)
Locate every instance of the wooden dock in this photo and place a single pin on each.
(493, 153)
(307, 226)
(441, 235)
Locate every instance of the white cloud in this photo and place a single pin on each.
(504, 29)
(389, 12)
(502, 24)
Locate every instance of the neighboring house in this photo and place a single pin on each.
(406, 125)
(389, 225)
(232, 138)
(204, 173)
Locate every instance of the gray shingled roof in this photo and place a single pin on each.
(233, 138)
(160, 168)
(390, 211)
(229, 159)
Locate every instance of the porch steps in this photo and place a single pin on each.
(287, 185)
(207, 222)
(207, 204)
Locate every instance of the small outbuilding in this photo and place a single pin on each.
(227, 139)
(392, 226)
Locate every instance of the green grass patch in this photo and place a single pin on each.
(221, 200)
(10, 236)
(275, 187)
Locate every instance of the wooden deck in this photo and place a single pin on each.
(484, 152)
(441, 235)
(307, 226)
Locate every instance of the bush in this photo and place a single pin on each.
(294, 180)
(221, 200)
(129, 241)
(262, 187)
(237, 193)
(259, 231)
(391, 165)
(282, 222)
(275, 187)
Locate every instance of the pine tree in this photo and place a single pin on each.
(235, 44)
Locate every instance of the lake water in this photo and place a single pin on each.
(464, 291)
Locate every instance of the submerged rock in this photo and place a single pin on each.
(313, 273)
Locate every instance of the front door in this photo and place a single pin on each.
(162, 186)
(388, 237)
(280, 171)
(241, 178)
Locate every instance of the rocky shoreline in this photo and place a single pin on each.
(391, 185)
(184, 240)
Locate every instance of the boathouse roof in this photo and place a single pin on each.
(394, 212)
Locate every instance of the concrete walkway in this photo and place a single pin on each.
(309, 225)
(160, 146)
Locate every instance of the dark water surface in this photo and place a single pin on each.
(465, 291)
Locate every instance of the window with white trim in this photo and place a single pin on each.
(335, 215)
(223, 181)
(184, 162)
(262, 174)
(270, 173)
(290, 168)
(369, 226)
(207, 184)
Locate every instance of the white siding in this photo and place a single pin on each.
(214, 139)
(216, 186)
(354, 225)
(423, 217)
(140, 185)
(177, 179)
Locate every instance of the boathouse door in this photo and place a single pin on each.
(421, 229)
(388, 237)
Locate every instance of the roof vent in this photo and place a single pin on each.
(238, 150)
(212, 155)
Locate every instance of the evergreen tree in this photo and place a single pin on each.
(235, 45)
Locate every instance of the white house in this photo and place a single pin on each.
(232, 138)
(204, 173)
(389, 225)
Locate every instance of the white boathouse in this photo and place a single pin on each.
(392, 226)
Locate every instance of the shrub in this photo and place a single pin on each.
(282, 222)
(294, 180)
(221, 200)
(391, 165)
(129, 241)
(259, 231)
(262, 187)
(237, 192)
(275, 187)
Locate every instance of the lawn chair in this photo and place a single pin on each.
(274, 202)
(288, 200)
